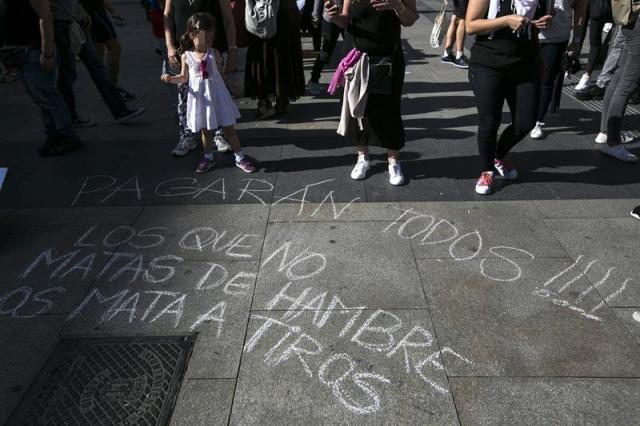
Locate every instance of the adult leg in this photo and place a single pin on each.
(552, 58)
(613, 58)
(89, 57)
(114, 50)
(523, 97)
(595, 42)
(461, 34)
(626, 81)
(489, 90)
(330, 34)
(450, 38)
(41, 87)
(66, 66)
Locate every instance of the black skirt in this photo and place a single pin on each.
(274, 66)
(382, 123)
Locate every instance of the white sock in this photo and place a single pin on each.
(208, 156)
(363, 157)
(459, 54)
(447, 52)
(392, 161)
(239, 155)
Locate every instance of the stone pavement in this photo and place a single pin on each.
(313, 298)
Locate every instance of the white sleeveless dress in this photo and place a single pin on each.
(209, 104)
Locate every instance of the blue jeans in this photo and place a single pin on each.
(625, 81)
(41, 86)
(89, 57)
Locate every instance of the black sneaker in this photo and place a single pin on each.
(591, 92)
(636, 212)
(461, 62)
(449, 59)
(130, 114)
(126, 95)
(83, 122)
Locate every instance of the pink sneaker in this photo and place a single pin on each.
(505, 169)
(484, 185)
(246, 165)
(205, 165)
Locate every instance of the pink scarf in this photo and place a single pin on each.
(347, 62)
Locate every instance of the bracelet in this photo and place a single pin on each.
(233, 47)
(400, 9)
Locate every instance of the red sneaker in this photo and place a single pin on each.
(484, 185)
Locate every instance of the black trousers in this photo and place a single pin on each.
(519, 85)
(330, 34)
(552, 54)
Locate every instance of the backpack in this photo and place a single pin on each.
(260, 17)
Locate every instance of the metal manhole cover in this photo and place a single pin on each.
(110, 381)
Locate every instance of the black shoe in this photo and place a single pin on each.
(449, 59)
(126, 95)
(130, 114)
(461, 62)
(636, 212)
(59, 145)
(591, 92)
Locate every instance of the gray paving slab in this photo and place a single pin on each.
(66, 216)
(330, 211)
(203, 233)
(631, 318)
(71, 251)
(25, 344)
(524, 327)
(341, 379)
(204, 402)
(210, 301)
(350, 260)
(610, 243)
(465, 230)
(535, 401)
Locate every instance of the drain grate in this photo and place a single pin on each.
(110, 381)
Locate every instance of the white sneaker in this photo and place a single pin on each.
(484, 184)
(361, 168)
(537, 132)
(619, 152)
(395, 174)
(185, 145)
(221, 144)
(626, 137)
(584, 81)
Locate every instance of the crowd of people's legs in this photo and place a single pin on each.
(69, 31)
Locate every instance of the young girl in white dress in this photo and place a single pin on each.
(209, 104)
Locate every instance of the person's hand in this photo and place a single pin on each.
(166, 78)
(381, 5)
(517, 22)
(332, 8)
(172, 56)
(47, 62)
(230, 64)
(543, 22)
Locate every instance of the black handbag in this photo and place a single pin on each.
(380, 75)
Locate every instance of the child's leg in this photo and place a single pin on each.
(232, 137)
(207, 143)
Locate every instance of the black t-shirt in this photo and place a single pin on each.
(184, 9)
(505, 48)
(22, 24)
(376, 33)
